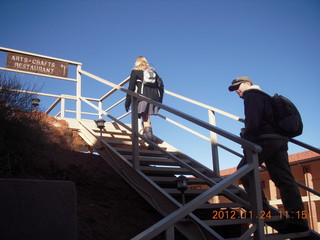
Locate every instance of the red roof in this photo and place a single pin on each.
(293, 159)
(303, 156)
(227, 172)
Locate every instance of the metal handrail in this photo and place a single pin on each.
(183, 211)
(252, 146)
(252, 149)
(119, 87)
(114, 89)
(304, 145)
(208, 107)
(194, 171)
(199, 135)
(216, 188)
(205, 106)
(197, 121)
(295, 141)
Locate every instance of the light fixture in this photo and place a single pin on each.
(100, 124)
(35, 102)
(182, 186)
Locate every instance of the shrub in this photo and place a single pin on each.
(25, 133)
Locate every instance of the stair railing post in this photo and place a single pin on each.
(135, 129)
(78, 92)
(255, 195)
(214, 147)
(100, 108)
(170, 233)
(63, 107)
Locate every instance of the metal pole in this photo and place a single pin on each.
(214, 141)
(100, 107)
(63, 107)
(170, 233)
(255, 195)
(309, 203)
(135, 143)
(78, 90)
(183, 198)
(100, 138)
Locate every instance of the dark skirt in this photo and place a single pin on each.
(145, 107)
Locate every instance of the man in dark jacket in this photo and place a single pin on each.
(259, 129)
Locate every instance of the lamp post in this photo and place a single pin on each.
(182, 186)
(100, 124)
(35, 103)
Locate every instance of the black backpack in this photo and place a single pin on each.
(288, 121)
(160, 87)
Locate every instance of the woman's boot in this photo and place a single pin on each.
(147, 132)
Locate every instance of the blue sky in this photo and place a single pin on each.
(197, 47)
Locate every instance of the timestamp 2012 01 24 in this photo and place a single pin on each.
(243, 214)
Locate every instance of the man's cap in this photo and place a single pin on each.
(236, 82)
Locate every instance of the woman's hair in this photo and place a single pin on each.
(141, 63)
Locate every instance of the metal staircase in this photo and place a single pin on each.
(195, 213)
(199, 217)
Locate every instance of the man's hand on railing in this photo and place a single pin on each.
(242, 132)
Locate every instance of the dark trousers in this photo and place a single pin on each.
(274, 154)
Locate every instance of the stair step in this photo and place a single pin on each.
(191, 181)
(112, 132)
(175, 191)
(143, 152)
(121, 143)
(157, 160)
(189, 191)
(147, 169)
(117, 137)
(223, 222)
(279, 236)
(220, 205)
(117, 141)
(128, 145)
